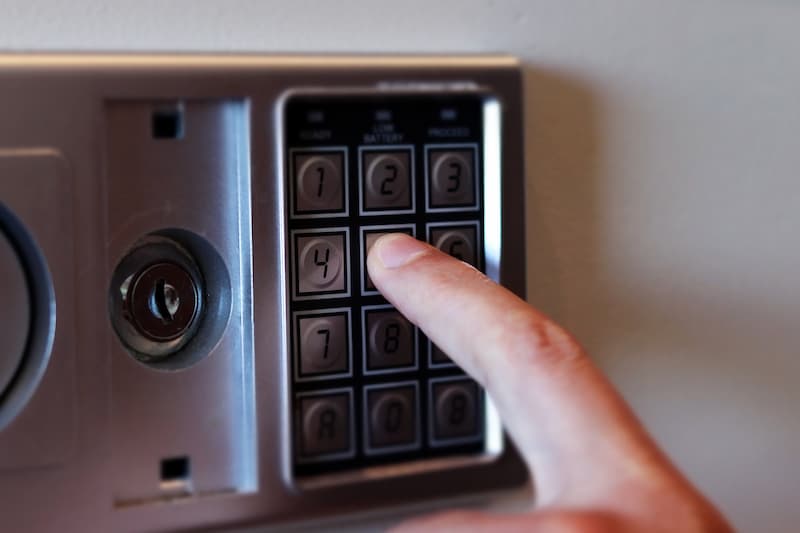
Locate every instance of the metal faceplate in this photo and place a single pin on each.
(125, 151)
(15, 313)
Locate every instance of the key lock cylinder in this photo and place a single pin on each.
(161, 301)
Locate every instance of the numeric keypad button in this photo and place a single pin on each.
(438, 357)
(387, 180)
(456, 411)
(319, 182)
(320, 263)
(390, 341)
(392, 418)
(322, 344)
(369, 235)
(451, 178)
(325, 426)
(459, 241)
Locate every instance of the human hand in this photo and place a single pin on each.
(596, 469)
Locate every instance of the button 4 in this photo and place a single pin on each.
(391, 417)
(325, 426)
(320, 263)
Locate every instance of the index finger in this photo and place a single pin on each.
(563, 414)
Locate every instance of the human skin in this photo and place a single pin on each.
(595, 467)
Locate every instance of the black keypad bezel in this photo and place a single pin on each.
(357, 124)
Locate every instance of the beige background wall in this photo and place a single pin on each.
(664, 201)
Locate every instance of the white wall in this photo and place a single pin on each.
(664, 199)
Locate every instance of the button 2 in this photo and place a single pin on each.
(392, 418)
(387, 180)
(319, 184)
(326, 428)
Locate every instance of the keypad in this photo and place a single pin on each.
(368, 388)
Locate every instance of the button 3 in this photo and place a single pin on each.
(452, 178)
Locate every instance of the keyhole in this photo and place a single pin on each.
(164, 301)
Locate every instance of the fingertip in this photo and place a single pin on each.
(395, 250)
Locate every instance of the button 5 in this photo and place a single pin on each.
(369, 235)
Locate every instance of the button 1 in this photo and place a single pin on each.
(321, 263)
(456, 411)
(323, 347)
(457, 241)
(319, 182)
(369, 236)
(452, 178)
(326, 426)
(390, 341)
(387, 181)
(392, 418)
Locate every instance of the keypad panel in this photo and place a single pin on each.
(367, 387)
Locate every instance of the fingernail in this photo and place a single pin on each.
(398, 249)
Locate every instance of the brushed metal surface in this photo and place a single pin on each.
(61, 102)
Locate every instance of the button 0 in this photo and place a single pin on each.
(387, 180)
(319, 182)
(459, 242)
(390, 341)
(392, 418)
(326, 425)
(452, 181)
(456, 410)
(321, 263)
(323, 344)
